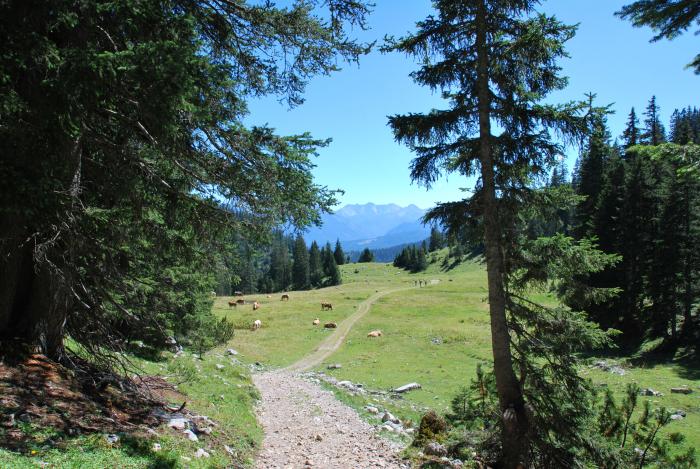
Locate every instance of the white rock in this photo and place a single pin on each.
(219, 366)
(372, 409)
(407, 387)
(231, 352)
(201, 454)
(190, 435)
(179, 423)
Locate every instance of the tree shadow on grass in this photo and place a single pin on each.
(685, 360)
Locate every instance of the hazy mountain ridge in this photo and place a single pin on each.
(370, 225)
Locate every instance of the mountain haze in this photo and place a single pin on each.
(371, 225)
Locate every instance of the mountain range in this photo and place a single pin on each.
(371, 226)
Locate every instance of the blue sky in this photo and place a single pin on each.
(608, 57)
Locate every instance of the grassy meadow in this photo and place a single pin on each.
(433, 335)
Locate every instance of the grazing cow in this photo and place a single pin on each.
(256, 306)
(285, 297)
(240, 302)
(231, 304)
(375, 334)
(317, 321)
(325, 306)
(330, 325)
(257, 324)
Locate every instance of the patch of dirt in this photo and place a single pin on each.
(37, 393)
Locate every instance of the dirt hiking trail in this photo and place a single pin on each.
(306, 426)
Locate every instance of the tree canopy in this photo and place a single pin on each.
(122, 130)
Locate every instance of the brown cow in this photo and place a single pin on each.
(317, 321)
(285, 297)
(231, 304)
(325, 306)
(375, 334)
(330, 325)
(240, 302)
(256, 306)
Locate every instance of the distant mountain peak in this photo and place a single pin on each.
(371, 225)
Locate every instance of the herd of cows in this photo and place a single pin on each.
(325, 306)
(257, 324)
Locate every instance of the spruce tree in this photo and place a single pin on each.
(328, 260)
(315, 266)
(421, 262)
(494, 61)
(654, 132)
(590, 177)
(338, 253)
(366, 256)
(630, 136)
(127, 123)
(437, 239)
(300, 268)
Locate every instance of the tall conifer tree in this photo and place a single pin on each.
(494, 60)
(630, 136)
(338, 253)
(315, 266)
(300, 268)
(654, 132)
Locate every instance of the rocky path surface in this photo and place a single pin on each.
(306, 426)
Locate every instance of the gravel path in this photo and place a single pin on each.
(306, 426)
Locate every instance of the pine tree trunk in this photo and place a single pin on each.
(33, 300)
(514, 421)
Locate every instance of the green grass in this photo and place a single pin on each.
(454, 313)
(225, 396)
(287, 333)
(434, 335)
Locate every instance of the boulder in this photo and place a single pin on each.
(681, 390)
(650, 392)
(179, 423)
(435, 449)
(389, 417)
(219, 366)
(335, 366)
(231, 352)
(190, 435)
(371, 409)
(407, 387)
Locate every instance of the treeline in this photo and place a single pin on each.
(414, 258)
(284, 263)
(639, 203)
